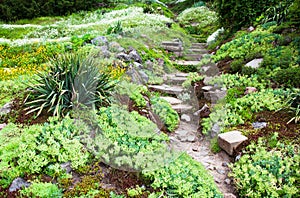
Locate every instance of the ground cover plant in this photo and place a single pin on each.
(84, 124)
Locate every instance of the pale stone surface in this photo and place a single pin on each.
(172, 100)
(2, 126)
(250, 90)
(18, 184)
(186, 63)
(186, 118)
(231, 140)
(255, 63)
(6, 108)
(181, 74)
(167, 89)
(181, 108)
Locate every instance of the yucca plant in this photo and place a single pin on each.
(73, 80)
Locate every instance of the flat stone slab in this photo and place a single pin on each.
(255, 63)
(181, 74)
(170, 43)
(198, 50)
(186, 63)
(180, 108)
(231, 140)
(166, 89)
(172, 100)
(203, 45)
(173, 79)
(193, 57)
(207, 88)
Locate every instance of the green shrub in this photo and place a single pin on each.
(42, 190)
(73, 79)
(191, 79)
(165, 112)
(39, 149)
(127, 141)
(199, 20)
(289, 77)
(184, 177)
(134, 92)
(17, 9)
(236, 14)
(267, 173)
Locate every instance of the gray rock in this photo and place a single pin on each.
(123, 56)
(115, 47)
(227, 181)
(259, 125)
(250, 90)
(134, 55)
(6, 108)
(99, 41)
(18, 184)
(230, 141)
(215, 130)
(255, 63)
(66, 166)
(214, 96)
(225, 164)
(149, 64)
(138, 65)
(104, 52)
(221, 172)
(229, 195)
(135, 76)
(171, 100)
(186, 118)
(250, 29)
(143, 76)
(2, 126)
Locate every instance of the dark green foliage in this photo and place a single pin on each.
(19, 9)
(289, 77)
(236, 14)
(73, 80)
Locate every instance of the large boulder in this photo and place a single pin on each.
(99, 41)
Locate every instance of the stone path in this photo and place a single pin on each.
(186, 138)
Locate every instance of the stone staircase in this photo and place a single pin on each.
(186, 137)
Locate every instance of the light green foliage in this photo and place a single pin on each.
(9, 89)
(39, 148)
(184, 177)
(73, 79)
(199, 20)
(135, 192)
(133, 91)
(42, 190)
(238, 81)
(192, 78)
(267, 173)
(128, 140)
(165, 112)
(241, 109)
(246, 45)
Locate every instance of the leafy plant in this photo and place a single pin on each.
(165, 112)
(191, 79)
(116, 29)
(42, 190)
(133, 91)
(73, 79)
(267, 173)
(184, 177)
(39, 148)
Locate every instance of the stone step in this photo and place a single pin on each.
(174, 80)
(174, 90)
(202, 45)
(193, 57)
(171, 100)
(173, 48)
(196, 50)
(179, 74)
(186, 63)
(181, 108)
(170, 43)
